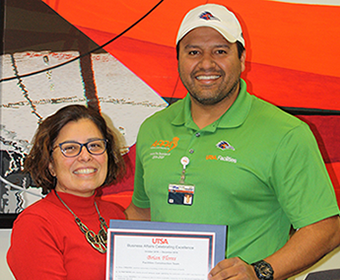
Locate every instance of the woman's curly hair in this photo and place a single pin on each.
(40, 156)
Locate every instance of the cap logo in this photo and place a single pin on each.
(208, 16)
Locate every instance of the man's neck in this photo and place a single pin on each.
(204, 115)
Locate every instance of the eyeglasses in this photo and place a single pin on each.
(73, 148)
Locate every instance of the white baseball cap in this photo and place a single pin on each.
(214, 16)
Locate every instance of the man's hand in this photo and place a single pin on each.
(303, 249)
(234, 269)
(135, 213)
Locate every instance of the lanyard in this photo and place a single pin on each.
(184, 161)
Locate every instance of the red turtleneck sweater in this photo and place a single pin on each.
(46, 242)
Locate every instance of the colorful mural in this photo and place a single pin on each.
(119, 57)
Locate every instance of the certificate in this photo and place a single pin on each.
(154, 250)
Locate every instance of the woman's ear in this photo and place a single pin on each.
(51, 169)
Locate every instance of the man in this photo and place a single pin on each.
(247, 164)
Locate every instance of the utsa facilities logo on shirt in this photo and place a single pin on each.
(208, 16)
(223, 145)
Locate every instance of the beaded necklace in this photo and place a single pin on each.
(97, 241)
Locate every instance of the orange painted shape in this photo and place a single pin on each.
(293, 36)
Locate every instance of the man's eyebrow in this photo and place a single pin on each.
(191, 47)
(222, 46)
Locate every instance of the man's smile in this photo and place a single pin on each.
(211, 77)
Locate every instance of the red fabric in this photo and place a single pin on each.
(121, 193)
(126, 184)
(47, 243)
(121, 198)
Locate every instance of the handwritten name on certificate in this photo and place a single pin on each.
(160, 254)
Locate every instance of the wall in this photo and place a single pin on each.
(4, 245)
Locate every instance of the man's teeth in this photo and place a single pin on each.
(207, 77)
(84, 171)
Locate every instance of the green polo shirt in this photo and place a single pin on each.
(257, 170)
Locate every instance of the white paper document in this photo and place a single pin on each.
(146, 254)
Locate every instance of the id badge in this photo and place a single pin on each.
(181, 194)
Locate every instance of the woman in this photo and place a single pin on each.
(63, 236)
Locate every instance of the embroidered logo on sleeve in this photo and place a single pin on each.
(165, 144)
